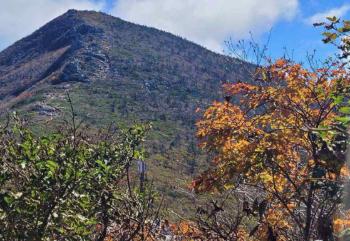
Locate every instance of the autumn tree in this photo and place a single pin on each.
(277, 135)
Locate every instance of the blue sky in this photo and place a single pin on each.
(299, 36)
(206, 22)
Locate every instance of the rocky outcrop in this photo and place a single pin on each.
(46, 110)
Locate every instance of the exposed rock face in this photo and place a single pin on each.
(66, 49)
(44, 109)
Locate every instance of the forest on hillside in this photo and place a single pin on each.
(277, 144)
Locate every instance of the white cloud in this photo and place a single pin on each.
(207, 22)
(320, 17)
(19, 18)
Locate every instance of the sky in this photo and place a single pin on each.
(287, 23)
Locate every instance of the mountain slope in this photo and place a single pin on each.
(119, 71)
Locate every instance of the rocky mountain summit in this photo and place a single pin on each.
(117, 71)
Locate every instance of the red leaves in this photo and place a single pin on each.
(205, 182)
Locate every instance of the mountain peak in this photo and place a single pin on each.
(89, 16)
(84, 14)
(73, 11)
(117, 71)
(89, 46)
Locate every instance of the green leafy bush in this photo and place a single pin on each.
(68, 185)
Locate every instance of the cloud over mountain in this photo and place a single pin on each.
(207, 22)
(19, 18)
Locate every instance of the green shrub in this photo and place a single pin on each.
(62, 186)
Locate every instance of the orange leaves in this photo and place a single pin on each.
(280, 63)
(219, 121)
(291, 205)
(276, 218)
(206, 181)
(238, 88)
(267, 138)
(187, 231)
(184, 228)
(341, 224)
(108, 238)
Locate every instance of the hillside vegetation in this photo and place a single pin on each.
(95, 98)
(122, 73)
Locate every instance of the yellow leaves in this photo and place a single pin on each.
(273, 182)
(266, 177)
(228, 186)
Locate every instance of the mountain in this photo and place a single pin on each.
(119, 71)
